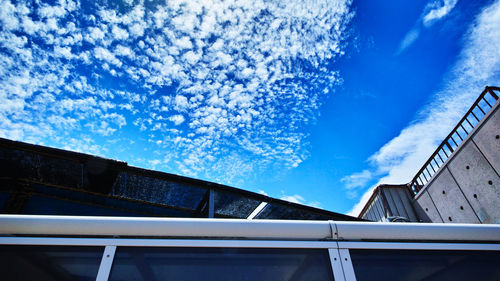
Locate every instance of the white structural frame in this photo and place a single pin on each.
(337, 238)
(257, 210)
(106, 263)
(244, 228)
(335, 261)
(338, 251)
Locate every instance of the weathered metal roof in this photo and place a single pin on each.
(42, 180)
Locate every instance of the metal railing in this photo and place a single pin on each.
(474, 115)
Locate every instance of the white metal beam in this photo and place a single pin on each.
(106, 263)
(257, 210)
(252, 229)
(338, 273)
(347, 267)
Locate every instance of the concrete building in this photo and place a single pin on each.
(459, 183)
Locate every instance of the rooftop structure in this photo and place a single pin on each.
(47, 181)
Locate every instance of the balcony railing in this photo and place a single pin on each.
(476, 113)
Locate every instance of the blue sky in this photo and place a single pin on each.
(314, 102)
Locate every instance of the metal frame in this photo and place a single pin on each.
(106, 263)
(345, 247)
(347, 267)
(257, 210)
(335, 261)
(419, 246)
(243, 229)
(121, 242)
(333, 236)
(338, 251)
(111, 245)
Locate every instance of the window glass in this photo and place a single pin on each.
(215, 264)
(416, 265)
(49, 263)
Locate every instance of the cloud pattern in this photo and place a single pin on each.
(216, 89)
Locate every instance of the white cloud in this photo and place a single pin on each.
(184, 43)
(63, 52)
(106, 55)
(357, 179)
(408, 40)
(293, 198)
(136, 30)
(300, 200)
(119, 33)
(181, 103)
(95, 33)
(478, 66)
(177, 119)
(262, 192)
(433, 12)
(437, 10)
(124, 51)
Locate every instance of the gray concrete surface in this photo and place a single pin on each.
(425, 208)
(467, 188)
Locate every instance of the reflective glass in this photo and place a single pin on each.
(49, 263)
(216, 264)
(416, 265)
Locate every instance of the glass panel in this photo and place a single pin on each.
(215, 264)
(413, 265)
(49, 263)
(157, 190)
(233, 205)
(284, 212)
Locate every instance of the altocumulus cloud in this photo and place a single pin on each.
(218, 88)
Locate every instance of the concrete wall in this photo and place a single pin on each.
(467, 188)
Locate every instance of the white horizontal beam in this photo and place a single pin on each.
(243, 228)
(419, 246)
(232, 243)
(165, 227)
(417, 231)
(136, 242)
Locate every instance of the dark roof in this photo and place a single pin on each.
(42, 180)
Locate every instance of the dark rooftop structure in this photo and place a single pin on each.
(47, 181)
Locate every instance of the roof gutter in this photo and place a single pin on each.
(241, 228)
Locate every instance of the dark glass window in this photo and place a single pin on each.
(49, 263)
(413, 265)
(216, 264)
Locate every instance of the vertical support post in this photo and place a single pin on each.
(106, 263)
(492, 93)
(211, 206)
(83, 176)
(449, 147)
(338, 273)
(345, 258)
